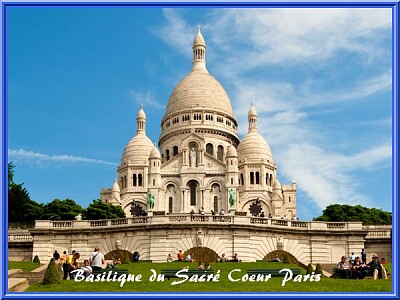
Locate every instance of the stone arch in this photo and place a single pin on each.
(202, 254)
(281, 254)
(264, 204)
(118, 254)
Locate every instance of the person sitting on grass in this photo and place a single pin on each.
(376, 269)
(235, 258)
(358, 269)
(207, 265)
(344, 268)
(180, 255)
(200, 266)
(276, 259)
(169, 258)
(222, 258)
(189, 258)
(87, 269)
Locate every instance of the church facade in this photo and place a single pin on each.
(200, 163)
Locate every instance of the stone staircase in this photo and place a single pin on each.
(19, 281)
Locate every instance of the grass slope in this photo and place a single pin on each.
(223, 285)
(25, 266)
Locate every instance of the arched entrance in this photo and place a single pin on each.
(118, 254)
(202, 254)
(284, 257)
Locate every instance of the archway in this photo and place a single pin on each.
(118, 254)
(202, 254)
(284, 256)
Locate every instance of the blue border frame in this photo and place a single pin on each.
(394, 4)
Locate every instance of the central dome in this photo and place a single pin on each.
(199, 89)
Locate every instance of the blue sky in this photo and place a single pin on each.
(320, 80)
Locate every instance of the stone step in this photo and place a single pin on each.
(17, 284)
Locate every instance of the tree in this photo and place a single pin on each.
(21, 208)
(318, 269)
(52, 276)
(99, 210)
(358, 213)
(36, 259)
(310, 269)
(57, 209)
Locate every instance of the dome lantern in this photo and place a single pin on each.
(252, 117)
(141, 120)
(199, 51)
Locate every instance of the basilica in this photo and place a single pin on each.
(200, 163)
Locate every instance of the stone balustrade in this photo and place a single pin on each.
(209, 219)
(18, 236)
(378, 231)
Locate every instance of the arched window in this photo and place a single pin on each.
(154, 182)
(266, 179)
(231, 180)
(140, 180)
(270, 180)
(134, 180)
(122, 182)
(193, 190)
(170, 205)
(251, 177)
(257, 178)
(289, 199)
(167, 154)
(215, 204)
(175, 150)
(125, 181)
(220, 153)
(242, 179)
(210, 149)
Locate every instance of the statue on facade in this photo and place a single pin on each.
(193, 155)
(200, 238)
(150, 200)
(118, 244)
(232, 197)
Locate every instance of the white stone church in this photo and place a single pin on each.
(201, 163)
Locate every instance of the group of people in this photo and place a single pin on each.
(202, 214)
(188, 258)
(359, 268)
(69, 262)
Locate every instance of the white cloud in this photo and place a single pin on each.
(271, 36)
(145, 98)
(241, 41)
(34, 157)
(175, 33)
(324, 176)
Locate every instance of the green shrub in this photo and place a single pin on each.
(318, 269)
(52, 276)
(310, 269)
(126, 258)
(36, 259)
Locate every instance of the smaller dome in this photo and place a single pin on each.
(254, 148)
(115, 187)
(276, 185)
(138, 149)
(231, 151)
(155, 153)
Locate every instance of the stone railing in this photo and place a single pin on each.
(210, 219)
(19, 236)
(378, 231)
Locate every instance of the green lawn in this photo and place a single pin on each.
(25, 266)
(223, 285)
